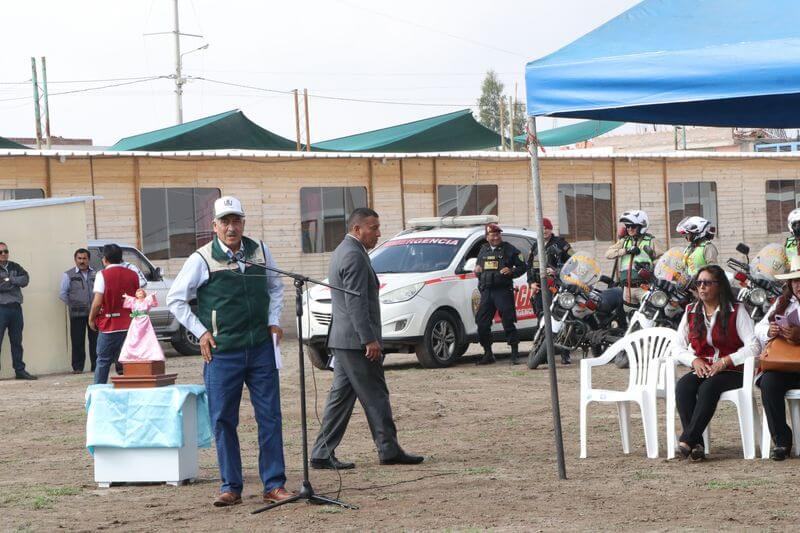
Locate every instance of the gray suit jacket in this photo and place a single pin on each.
(355, 320)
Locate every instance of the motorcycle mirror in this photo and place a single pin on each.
(742, 248)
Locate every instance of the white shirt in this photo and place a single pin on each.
(762, 328)
(359, 242)
(62, 293)
(744, 329)
(100, 283)
(194, 273)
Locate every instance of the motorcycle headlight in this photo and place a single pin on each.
(758, 296)
(402, 294)
(566, 300)
(659, 298)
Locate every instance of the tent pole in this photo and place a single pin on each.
(533, 149)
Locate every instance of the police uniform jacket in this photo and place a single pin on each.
(492, 261)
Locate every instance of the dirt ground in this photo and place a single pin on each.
(486, 433)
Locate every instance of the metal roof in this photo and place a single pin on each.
(11, 205)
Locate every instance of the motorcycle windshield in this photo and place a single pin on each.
(769, 262)
(672, 267)
(582, 270)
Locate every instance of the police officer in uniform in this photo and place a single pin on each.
(636, 249)
(498, 264)
(701, 251)
(557, 250)
(790, 246)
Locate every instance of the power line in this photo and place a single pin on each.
(105, 80)
(87, 89)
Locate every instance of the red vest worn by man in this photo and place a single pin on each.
(112, 316)
(726, 344)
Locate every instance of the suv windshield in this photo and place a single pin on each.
(425, 254)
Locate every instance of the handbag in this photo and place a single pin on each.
(781, 356)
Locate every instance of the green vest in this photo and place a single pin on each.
(695, 256)
(232, 305)
(790, 247)
(643, 257)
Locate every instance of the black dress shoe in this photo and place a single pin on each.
(23, 374)
(331, 463)
(698, 453)
(565, 360)
(779, 453)
(403, 458)
(487, 359)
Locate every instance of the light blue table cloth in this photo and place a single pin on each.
(143, 418)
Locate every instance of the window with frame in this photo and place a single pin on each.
(21, 194)
(584, 212)
(176, 221)
(691, 198)
(323, 215)
(462, 200)
(782, 197)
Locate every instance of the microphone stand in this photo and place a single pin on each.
(306, 491)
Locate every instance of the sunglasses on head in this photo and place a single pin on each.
(705, 282)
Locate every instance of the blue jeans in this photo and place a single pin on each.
(11, 319)
(224, 377)
(108, 347)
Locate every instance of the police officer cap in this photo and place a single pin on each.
(491, 227)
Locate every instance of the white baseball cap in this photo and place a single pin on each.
(227, 205)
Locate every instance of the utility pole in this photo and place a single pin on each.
(36, 104)
(308, 128)
(511, 122)
(297, 118)
(179, 81)
(502, 125)
(46, 104)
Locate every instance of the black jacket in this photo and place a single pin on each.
(558, 252)
(12, 278)
(493, 261)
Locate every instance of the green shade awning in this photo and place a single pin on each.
(226, 130)
(5, 143)
(444, 133)
(573, 133)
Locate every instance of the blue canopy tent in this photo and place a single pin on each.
(721, 63)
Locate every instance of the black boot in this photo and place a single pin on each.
(488, 356)
(515, 354)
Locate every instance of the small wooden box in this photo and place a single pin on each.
(142, 375)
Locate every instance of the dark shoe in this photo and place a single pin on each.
(487, 359)
(277, 495)
(226, 499)
(77, 371)
(23, 374)
(331, 463)
(403, 458)
(684, 449)
(698, 453)
(565, 360)
(779, 453)
(514, 354)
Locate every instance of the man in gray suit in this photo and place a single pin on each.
(355, 342)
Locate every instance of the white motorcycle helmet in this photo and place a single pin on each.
(635, 217)
(696, 228)
(794, 222)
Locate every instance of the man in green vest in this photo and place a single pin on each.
(636, 250)
(238, 312)
(701, 251)
(790, 246)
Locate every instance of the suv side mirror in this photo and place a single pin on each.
(469, 266)
(158, 274)
(742, 248)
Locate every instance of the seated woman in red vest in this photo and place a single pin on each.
(781, 321)
(714, 339)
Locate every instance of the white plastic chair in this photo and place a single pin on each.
(793, 399)
(749, 425)
(646, 350)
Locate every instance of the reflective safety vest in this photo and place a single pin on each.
(790, 247)
(695, 256)
(643, 257)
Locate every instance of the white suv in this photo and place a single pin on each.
(428, 292)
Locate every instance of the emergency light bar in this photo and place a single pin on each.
(452, 222)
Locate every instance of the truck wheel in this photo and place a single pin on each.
(318, 356)
(441, 345)
(185, 343)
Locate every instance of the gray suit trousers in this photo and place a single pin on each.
(355, 376)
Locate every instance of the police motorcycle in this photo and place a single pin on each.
(665, 300)
(758, 287)
(580, 315)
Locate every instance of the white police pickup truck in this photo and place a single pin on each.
(428, 292)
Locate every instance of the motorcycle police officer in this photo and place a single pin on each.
(637, 249)
(498, 263)
(790, 245)
(701, 251)
(557, 250)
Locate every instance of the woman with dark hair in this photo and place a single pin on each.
(714, 339)
(781, 321)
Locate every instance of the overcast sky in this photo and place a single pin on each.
(420, 51)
